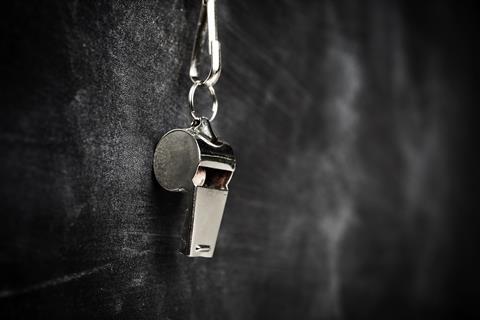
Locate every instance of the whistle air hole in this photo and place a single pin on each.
(211, 178)
(202, 248)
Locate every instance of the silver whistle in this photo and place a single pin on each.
(194, 160)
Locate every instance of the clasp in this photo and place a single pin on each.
(206, 22)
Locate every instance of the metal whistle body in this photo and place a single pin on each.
(194, 160)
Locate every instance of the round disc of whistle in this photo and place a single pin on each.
(175, 161)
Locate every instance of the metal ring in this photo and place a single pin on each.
(191, 98)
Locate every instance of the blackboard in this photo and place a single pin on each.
(352, 124)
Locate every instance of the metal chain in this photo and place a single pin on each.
(206, 23)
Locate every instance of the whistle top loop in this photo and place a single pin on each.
(206, 22)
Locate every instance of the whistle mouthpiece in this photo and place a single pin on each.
(203, 222)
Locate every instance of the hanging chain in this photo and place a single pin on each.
(206, 23)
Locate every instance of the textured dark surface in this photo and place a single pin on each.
(352, 127)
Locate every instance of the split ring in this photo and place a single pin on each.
(191, 102)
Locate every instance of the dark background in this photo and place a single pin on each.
(352, 122)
